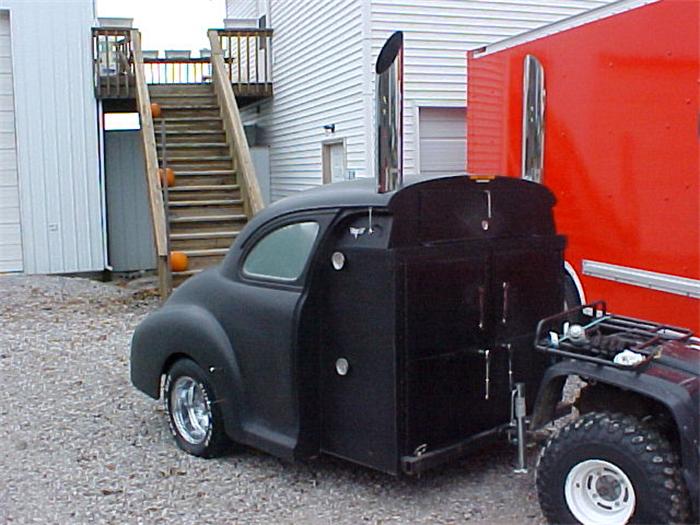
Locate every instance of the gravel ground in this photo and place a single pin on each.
(81, 445)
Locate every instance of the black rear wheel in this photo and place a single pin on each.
(611, 469)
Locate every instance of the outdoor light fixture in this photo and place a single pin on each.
(329, 128)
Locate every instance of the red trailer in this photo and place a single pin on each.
(603, 109)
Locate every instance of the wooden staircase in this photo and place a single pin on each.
(205, 208)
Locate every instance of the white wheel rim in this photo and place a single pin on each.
(598, 492)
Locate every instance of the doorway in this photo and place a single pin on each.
(334, 161)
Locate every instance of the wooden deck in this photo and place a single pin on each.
(245, 52)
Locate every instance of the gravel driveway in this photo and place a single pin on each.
(81, 445)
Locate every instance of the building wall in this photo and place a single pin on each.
(56, 135)
(317, 52)
(323, 58)
(437, 35)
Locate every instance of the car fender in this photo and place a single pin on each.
(674, 397)
(189, 331)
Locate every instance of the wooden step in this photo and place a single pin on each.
(180, 119)
(170, 89)
(214, 208)
(192, 136)
(194, 145)
(196, 192)
(199, 259)
(198, 159)
(204, 177)
(176, 153)
(201, 165)
(207, 223)
(191, 111)
(202, 240)
(185, 107)
(211, 202)
(203, 172)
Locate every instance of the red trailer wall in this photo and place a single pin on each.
(621, 144)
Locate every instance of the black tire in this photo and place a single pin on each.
(571, 296)
(634, 447)
(203, 440)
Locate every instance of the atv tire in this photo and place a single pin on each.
(610, 468)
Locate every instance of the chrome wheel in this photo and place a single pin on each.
(599, 492)
(190, 410)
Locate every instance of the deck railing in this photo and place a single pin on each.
(113, 62)
(235, 133)
(177, 70)
(247, 57)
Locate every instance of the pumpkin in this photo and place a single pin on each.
(155, 110)
(178, 262)
(167, 176)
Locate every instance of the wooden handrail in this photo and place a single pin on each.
(155, 192)
(235, 133)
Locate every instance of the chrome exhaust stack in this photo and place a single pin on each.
(389, 116)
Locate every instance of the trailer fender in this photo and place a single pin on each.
(189, 331)
(673, 397)
(576, 281)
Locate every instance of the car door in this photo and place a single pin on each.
(269, 293)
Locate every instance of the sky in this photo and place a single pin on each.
(169, 24)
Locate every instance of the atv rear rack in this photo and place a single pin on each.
(590, 333)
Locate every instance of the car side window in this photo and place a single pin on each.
(281, 255)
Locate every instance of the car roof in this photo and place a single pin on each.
(361, 192)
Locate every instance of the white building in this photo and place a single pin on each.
(50, 191)
(323, 56)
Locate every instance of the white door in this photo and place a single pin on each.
(333, 162)
(10, 232)
(443, 140)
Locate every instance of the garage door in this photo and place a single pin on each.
(10, 233)
(443, 143)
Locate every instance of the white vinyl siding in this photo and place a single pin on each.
(323, 57)
(56, 135)
(10, 232)
(317, 78)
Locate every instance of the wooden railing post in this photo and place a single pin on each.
(155, 195)
(233, 125)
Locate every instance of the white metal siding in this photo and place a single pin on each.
(10, 232)
(437, 35)
(56, 126)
